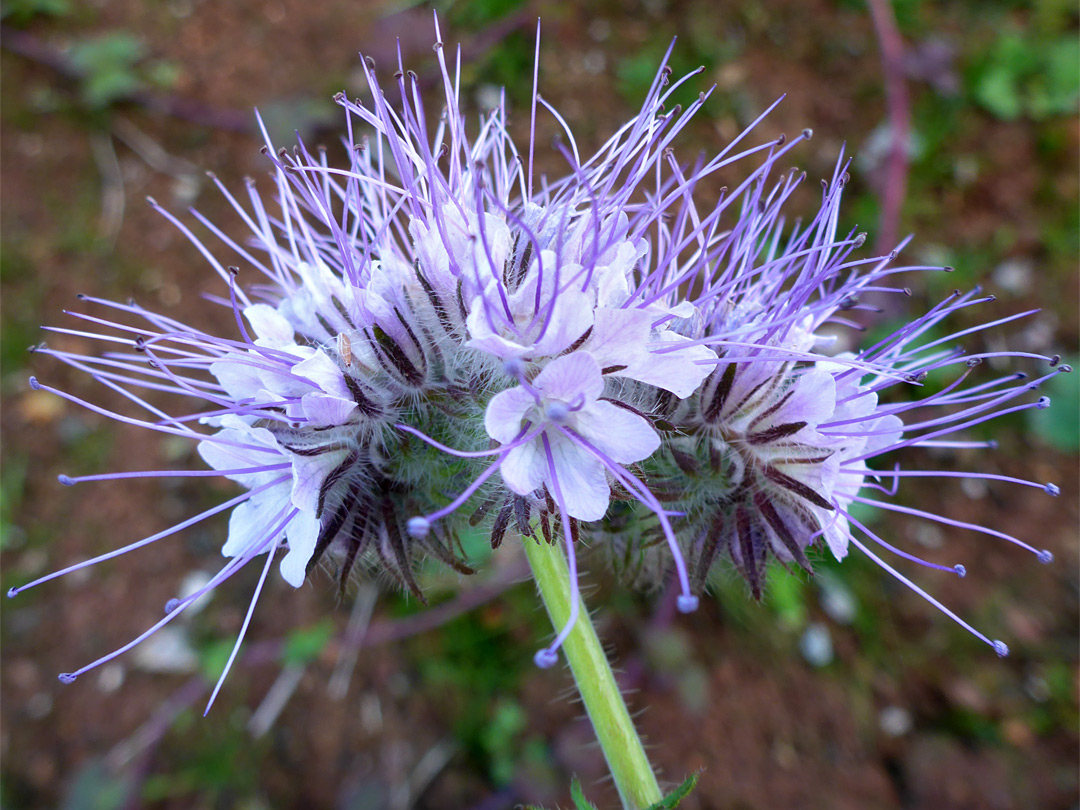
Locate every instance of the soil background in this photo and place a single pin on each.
(105, 103)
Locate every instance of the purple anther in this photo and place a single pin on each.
(687, 603)
(418, 526)
(545, 658)
(556, 411)
(514, 367)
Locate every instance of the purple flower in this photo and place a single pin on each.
(435, 313)
(564, 404)
(771, 453)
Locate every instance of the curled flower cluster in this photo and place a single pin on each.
(434, 336)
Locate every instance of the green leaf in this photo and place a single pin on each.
(478, 14)
(22, 11)
(1059, 425)
(107, 65)
(1026, 75)
(163, 74)
(499, 739)
(1062, 78)
(103, 88)
(305, 644)
(580, 802)
(786, 597)
(677, 795)
(999, 92)
(95, 788)
(213, 657)
(12, 486)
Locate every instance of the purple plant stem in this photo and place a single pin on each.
(139, 748)
(899, 111)
(35, 50)
(387, 631)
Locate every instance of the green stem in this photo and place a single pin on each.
(595, 682)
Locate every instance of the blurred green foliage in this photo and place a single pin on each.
(305, 644)
(12, 484)
(212, 763)
(787, 597)
(213, 655)
(696, 46)
(18, 330)
(108, 64)
(22, 11)
(1023, 75)
(477, 14)
(1059, 425)
(499, 739)
(95, 788)
(668, 802)
(113, 66)
(472, 660)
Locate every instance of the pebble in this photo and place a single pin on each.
(816, 645)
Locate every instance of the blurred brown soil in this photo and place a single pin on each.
(772, 733)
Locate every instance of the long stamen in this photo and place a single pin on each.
(12, 592)
(999, 646)
(548, 656)
(247, 619)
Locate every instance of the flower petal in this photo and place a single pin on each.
(322, 410)
(893, 428)
(237, 447)
(836, 535)
(250, 522)
(269, 325)
(309, 472)
(812, 400)
(571, 376)
(678, 371)
(619, 434)
(302, 533)
(571, 315)
(523, 468)
(505, 413)
(619, 336)
(325, 373)
(582, 479)
(237, 375)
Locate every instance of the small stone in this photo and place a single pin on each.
(168, 652)
(837, 601)
(1014, 275)
(39, 705)
(193, 582)
(1017, 732)
(41, 407)
(816, 645)
(111, 677)
(895, 721)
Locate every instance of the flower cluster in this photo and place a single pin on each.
(435, 336)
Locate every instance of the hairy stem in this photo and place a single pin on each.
(595, 682)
